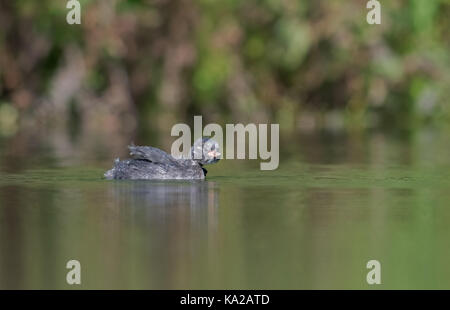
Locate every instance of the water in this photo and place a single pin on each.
(335, 203)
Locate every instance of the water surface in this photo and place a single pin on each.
(334, 204)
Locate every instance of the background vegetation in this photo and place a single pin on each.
(144, 65)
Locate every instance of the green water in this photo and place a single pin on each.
(334, 204)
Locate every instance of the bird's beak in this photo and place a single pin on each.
(214, 154)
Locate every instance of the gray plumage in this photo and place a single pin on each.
(150, 163)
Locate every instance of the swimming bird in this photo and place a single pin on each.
(151, 163)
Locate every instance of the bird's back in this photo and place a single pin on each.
(141, 169)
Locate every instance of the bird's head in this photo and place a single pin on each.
(205, 151)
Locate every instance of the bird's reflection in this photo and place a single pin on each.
(191, 203)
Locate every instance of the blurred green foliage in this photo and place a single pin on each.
(162, 60)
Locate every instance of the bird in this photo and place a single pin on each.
(151, 163)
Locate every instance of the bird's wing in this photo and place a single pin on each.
(152, 154)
